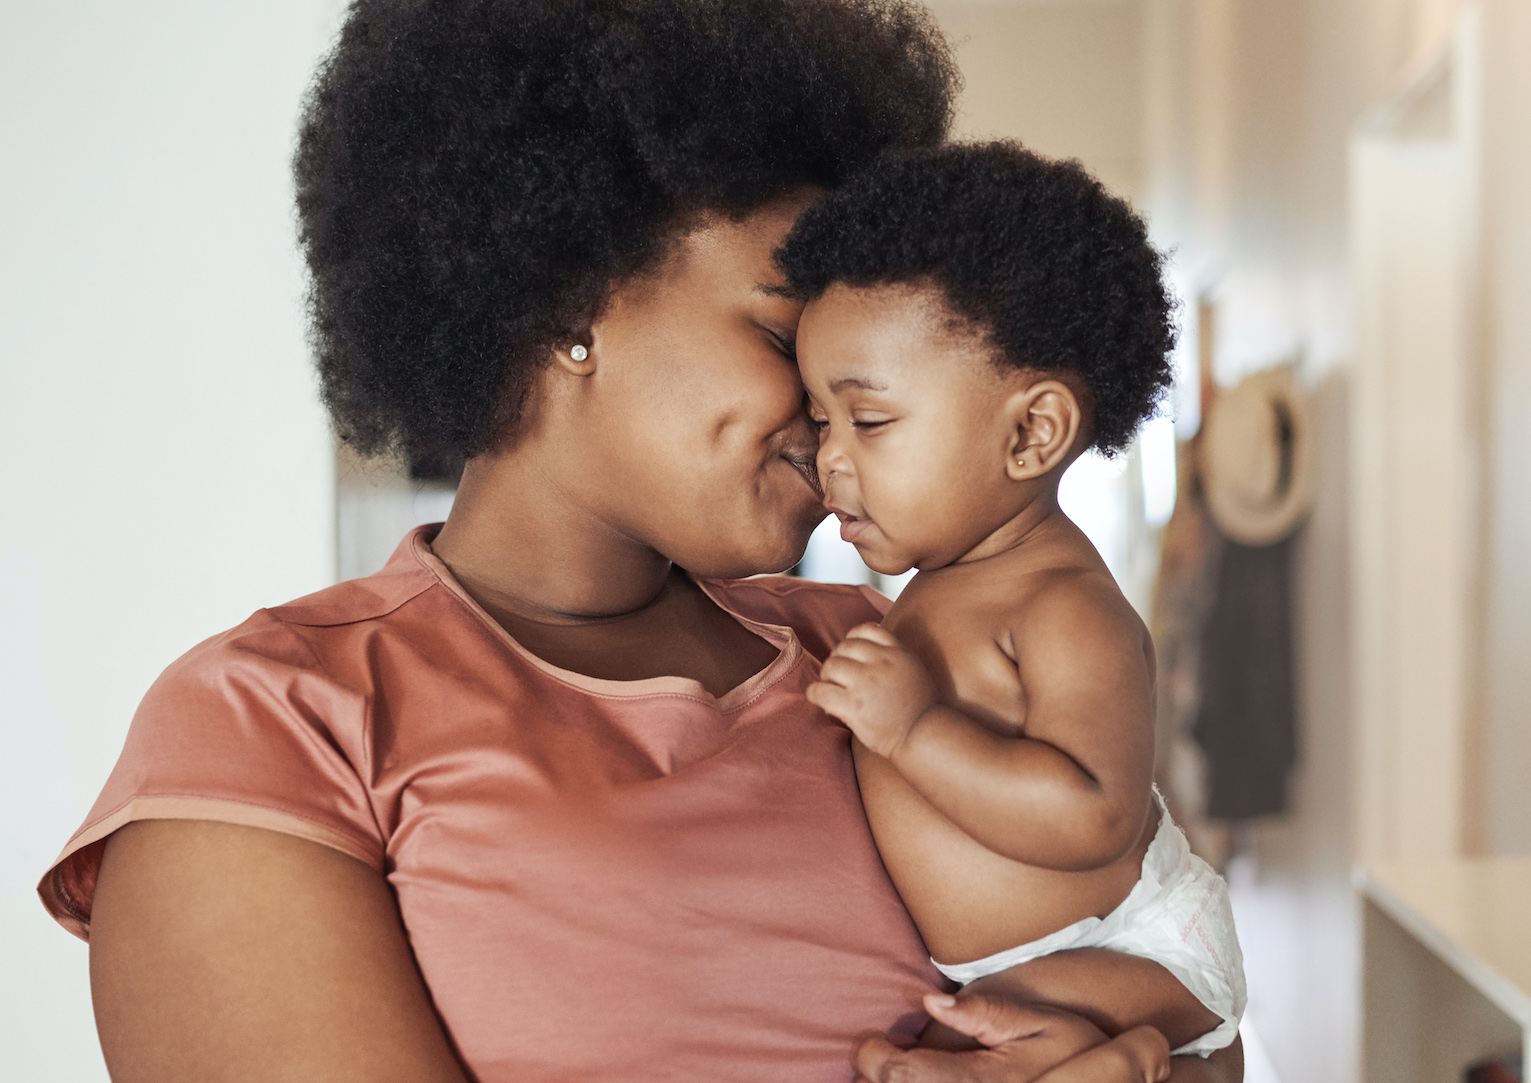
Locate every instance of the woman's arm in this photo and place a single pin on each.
(1118, 1062)
(1113, 991)
(1111, 1063)
(226, 953)
(1224, 1066)
(1140, 1055)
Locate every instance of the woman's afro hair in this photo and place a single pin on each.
(1033, 254)
(474, 175)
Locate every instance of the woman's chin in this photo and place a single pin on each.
(783, 553)
(777, 559)
(763, 539)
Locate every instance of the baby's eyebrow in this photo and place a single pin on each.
(862, 382)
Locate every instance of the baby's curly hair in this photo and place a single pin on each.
(1034, 254)
(473, 176)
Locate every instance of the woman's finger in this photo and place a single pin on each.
(874, 1058)
(1140, 1055)
(988, 1019)
(880, 1061)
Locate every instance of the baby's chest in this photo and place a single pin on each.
(962, 649)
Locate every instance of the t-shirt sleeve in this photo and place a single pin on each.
(247, 728)
(876, 599)
(820, 613)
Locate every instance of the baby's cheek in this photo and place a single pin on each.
(909, 511)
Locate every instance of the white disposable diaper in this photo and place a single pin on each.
(1177, 914)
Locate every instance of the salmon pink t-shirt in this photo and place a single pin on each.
(601, 880)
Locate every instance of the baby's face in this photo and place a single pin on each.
(913, 434)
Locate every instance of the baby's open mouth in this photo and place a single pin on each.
(852, 526)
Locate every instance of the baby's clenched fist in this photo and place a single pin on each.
(875, 686)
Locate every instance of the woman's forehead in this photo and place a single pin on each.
(744, 244)
(719, 263)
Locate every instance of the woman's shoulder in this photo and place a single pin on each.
(355, 600)
(267, 725)
(305, 636)
(323, 630)
(820, 613)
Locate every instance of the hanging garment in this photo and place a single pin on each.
(1246, 721)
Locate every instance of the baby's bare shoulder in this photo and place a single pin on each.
(1076, 621)
(1074, 596)
(1023, 604)
(1072, 591)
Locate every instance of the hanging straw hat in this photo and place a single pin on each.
(1257, 458)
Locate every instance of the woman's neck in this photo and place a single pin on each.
(580, 594)
(522, 546)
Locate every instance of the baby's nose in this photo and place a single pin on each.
(831, 459)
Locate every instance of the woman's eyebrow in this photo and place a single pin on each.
(862, 382)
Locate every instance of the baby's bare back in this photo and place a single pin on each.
(1038, 647)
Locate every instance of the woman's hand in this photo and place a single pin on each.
(875, 686)
(1140, 1055)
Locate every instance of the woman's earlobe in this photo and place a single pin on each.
(577, 357)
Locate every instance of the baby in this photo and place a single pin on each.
(977, 317)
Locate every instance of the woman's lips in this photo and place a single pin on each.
(852, 527)
(807, 466)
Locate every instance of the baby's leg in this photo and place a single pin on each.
(1116, 992)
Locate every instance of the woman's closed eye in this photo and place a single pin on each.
(785, 343)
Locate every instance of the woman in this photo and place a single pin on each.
(532, 803)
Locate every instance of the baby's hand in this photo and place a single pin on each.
(875, 687)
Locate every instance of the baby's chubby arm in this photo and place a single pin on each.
(1072, 792)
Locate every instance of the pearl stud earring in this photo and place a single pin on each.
(579, 353)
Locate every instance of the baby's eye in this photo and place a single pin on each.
(866, 423)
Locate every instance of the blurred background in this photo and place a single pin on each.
(1328, 529)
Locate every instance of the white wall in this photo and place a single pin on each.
(1249, 106)
(1505, 750)
(168, 468)
(1059, 75)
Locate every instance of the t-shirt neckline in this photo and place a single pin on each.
(789, 650)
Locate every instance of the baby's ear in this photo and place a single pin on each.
(1046, 423)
